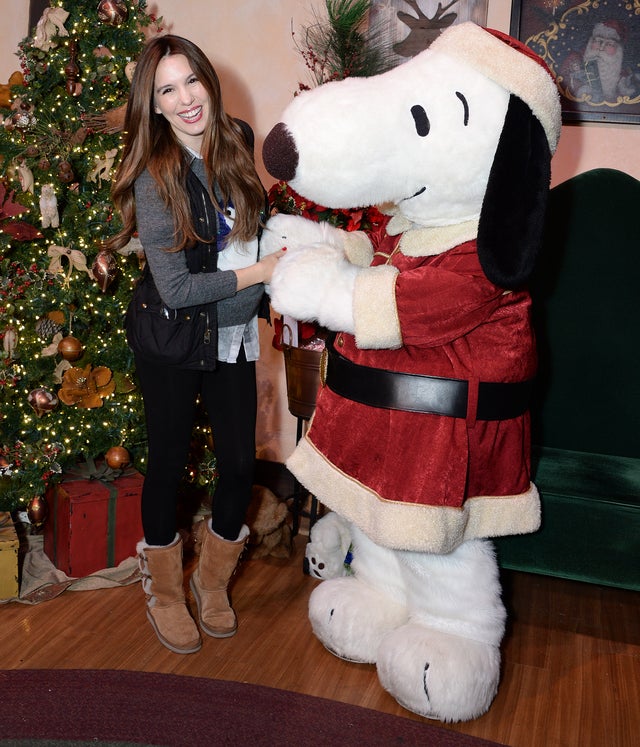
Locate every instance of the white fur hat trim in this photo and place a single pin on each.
(510, 64)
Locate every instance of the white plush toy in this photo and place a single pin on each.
(328, 552)
(49, 215)
(420, 440)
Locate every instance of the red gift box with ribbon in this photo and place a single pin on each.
(94, 519)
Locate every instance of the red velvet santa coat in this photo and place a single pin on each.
(419, 481)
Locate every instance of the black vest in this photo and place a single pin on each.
(199, 327)
(201, 257)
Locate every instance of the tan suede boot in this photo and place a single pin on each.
(162, 579)
(218, 560)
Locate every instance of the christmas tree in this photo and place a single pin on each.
(67, 382)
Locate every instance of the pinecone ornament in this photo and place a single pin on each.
(46, 328)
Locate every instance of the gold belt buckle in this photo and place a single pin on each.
(324, 362)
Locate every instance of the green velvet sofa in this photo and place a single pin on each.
(586, 409)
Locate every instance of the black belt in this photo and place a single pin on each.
(394, 390)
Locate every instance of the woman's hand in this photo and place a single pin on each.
(260, 272)
(269, 264)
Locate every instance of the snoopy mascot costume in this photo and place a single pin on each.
(420, 440)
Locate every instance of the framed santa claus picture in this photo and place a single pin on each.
(592, 49)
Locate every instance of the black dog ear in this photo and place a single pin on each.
(514, 205)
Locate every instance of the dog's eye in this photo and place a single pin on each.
(421, 120)
(465, 106)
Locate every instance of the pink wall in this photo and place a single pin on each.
(251, 45)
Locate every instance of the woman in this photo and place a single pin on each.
(188, 185)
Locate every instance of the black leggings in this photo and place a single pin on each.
(228, 395)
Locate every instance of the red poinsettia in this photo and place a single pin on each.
(18, 229)
(283, 199)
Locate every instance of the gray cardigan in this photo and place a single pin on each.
(178, 287)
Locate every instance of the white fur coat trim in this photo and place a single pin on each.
(357, 248)
(375, 312)
(418, 241)
(406, 526)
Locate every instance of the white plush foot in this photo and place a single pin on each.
(438, 675)
(350, 618)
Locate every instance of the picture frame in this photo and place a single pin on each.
(593, 50)
(36, 9)
(412, 25)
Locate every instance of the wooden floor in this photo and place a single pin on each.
(571, 655)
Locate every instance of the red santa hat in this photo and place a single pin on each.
(510, 64)
(612, 25)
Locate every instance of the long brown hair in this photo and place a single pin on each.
(151, 143)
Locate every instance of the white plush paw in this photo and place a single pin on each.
(295, 232)
(350, 618)
(438, 675)
(315, 284)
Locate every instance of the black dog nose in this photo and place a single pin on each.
(280, 154)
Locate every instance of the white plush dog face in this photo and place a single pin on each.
(422, 136)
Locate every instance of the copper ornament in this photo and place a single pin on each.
(38, 510)
(113, 12)
(70, 348)
(42, 401)
(117, 457)
(105, 269)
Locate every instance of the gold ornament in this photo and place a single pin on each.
(42, 401)
(117, 457)
(70, 348)
(38, 510)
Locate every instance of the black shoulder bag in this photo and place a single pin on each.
(158, 333)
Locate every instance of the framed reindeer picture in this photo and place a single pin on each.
(414, 24)
(36, 8)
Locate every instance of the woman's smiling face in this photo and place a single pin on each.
(182, 99)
